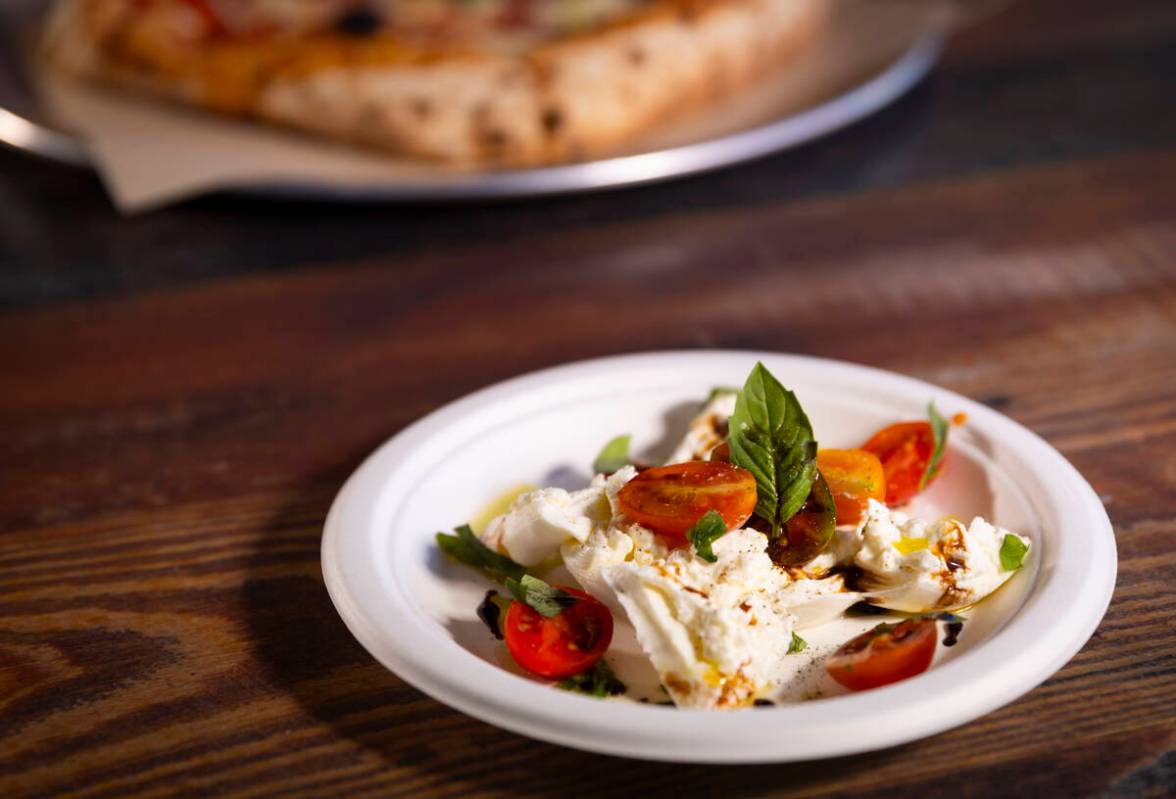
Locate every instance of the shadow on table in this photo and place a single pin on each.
(386, 736)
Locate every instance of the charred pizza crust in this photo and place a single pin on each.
(574, 97)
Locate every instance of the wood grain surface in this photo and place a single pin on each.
(181, 394)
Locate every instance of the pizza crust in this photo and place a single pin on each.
(607, 88)
(579, 97)
(464, 110)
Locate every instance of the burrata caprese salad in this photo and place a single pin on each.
(726, 561)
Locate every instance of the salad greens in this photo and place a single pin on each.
(547, 600)
(771, 437)
(939, 428)
(706, 531)
(466, 548)
(613, 456)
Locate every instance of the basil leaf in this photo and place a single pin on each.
(771, 437)
(466, 548)
(798, 479)
(1012, 552)
(613, 456)
(459, 550)
(544, 599)
(597, 681)
(719, 391)
(706, 531)
(798, 644)
(939, 428)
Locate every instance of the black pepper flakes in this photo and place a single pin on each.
(359, 21)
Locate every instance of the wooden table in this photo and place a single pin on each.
(183, 393)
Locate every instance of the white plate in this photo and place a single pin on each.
(414, 611)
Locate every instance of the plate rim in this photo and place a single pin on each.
(853, 105)
(618, 729)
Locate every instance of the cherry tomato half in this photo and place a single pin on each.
(904, 449)
(559, 646)
(809, 530)
(888, 653)
(854, 476)
(670, 499)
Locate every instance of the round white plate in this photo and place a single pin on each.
(865, 58)
(414, 610)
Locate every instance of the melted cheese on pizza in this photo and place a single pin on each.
(225, 51)
(500, 25)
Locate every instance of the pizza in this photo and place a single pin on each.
(477, 82)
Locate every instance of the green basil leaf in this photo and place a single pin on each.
(798, 644)
(613, 456)
(706, 531)
(460, 550)
(466, 548)
(771, 437)
(757, 459)
(1012, 552)
(597, 681)
(544, 599)
(797, 480)
(719, 391)
(939, 428)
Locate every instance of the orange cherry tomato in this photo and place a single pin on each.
(888, 653)
(670, 499)
(905, 450)
(559, 646)
(854, 476)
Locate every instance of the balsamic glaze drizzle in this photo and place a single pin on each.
(489, 613)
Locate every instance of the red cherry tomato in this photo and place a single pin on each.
(905, 450)
(854, 476)
(670, 499)
(809, 530)
(559, 646)
(888, 653)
